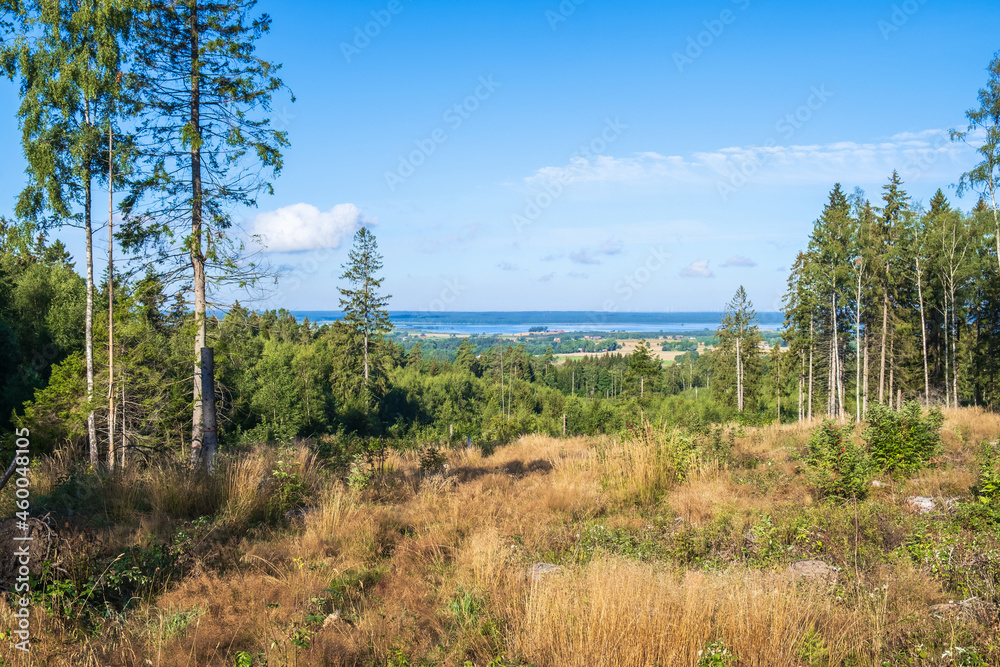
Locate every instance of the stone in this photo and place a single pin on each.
(921, 504)
(539, 570)
(815, 570)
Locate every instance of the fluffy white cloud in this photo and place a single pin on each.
(305, 227)
(739, 260)
(697, 269)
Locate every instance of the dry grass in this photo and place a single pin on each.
(434, 568)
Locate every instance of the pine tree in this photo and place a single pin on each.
(739, 341)
(364, 308)
(985, 176)
(202, 95)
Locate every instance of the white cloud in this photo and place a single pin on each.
(925, 155)
(611, 247)
(583, 257)
(739, 260)
(507, 266)
(697, 269)
(547, 277)
(305, 227)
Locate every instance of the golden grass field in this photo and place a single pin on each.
(432, 569)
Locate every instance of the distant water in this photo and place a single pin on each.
(509, 322)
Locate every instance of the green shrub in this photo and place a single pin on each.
(837, 466)
(987, 487)
(903, 441)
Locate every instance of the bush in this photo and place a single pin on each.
(838, 467)
(987, 488)
(901, 442)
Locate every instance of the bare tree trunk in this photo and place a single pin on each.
(864, 395)
(923, 335)
(111, 306)
(954, 345)
(857, 344)
(197, 252)
(88, 333)
(211, 444)
(811, 325)
(947, 354)
(885, 329)
(739, 378)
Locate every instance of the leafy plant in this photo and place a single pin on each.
(716, 654)
(903, 441)
(837, 466)
(432, 459)
(987, 487)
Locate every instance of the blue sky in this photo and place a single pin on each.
(632, 156)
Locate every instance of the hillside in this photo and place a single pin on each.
(659, 545)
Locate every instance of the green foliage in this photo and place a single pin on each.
(837, 466)
(987, 487)
(717, 654)
(901, 442)
(432, 459)
(290, 492)
(812, 649)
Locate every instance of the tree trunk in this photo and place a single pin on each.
(947, 355)
(857, 345)
(864, 395)
(111, 306)
(211, 444)
(88, 333)
(923, 336)
(811, 324)
(197, 252)
(739, 378)
(885, 330)
(954, 345)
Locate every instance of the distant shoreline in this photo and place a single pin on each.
(519, 322)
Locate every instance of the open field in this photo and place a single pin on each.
(423, 567)
(627, 347)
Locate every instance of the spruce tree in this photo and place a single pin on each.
(985, 122)
(203, 96)
(364, 309)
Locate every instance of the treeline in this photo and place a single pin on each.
(892, 302)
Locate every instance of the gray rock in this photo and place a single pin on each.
(539, 570)
(921, 504)
(813, 570)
